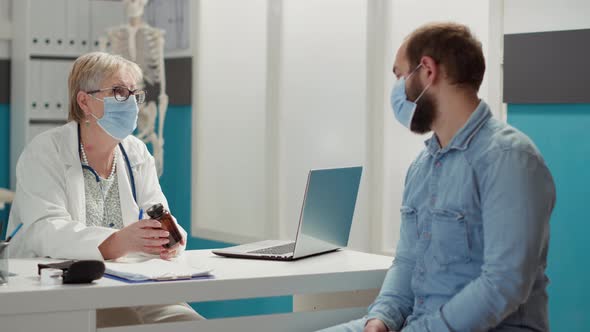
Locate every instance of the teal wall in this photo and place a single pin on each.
(4, 161)
(562, 133)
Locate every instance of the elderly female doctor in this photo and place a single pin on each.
(80, 187)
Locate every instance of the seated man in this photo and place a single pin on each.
(475, 214)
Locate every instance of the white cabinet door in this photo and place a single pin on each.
(48, 27)
(77, 27)
(103, 15)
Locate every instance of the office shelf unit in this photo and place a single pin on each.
(48, 35)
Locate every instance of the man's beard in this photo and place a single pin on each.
(425, 112)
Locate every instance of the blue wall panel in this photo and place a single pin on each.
(562, 133)
(4, 160)
(245, 307)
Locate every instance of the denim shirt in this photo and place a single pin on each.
(474, 235)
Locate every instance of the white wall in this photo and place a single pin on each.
(5, 28)
(322, 101)
(545, 15)
(401, 146)
(281, 89)
(229, 121)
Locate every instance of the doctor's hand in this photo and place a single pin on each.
(173, 251)
(145, 236)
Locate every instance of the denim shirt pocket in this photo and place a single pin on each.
(450, 242)
(409, 223)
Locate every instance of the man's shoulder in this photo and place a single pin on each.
(496, 138)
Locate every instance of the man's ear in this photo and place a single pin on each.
(431, 69)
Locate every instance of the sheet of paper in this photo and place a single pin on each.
(154, 269)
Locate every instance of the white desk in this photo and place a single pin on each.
(25, 305)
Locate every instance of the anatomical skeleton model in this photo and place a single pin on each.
(144, 45)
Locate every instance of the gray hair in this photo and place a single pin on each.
(89, 71)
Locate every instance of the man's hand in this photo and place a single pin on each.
(145, 236)
(375, 325)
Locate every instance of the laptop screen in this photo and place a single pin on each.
(328, 207)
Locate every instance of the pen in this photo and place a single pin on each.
(140, 214)
(14, 232)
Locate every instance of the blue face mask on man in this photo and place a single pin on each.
(120, 117)
(403, 109)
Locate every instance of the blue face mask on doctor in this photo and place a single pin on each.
(120, 117)
(403, 109)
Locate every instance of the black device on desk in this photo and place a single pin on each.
(77, 272)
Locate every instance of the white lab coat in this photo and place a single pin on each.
(50, 197)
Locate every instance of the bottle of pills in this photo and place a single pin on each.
(157, 212)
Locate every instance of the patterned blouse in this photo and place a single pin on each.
(103, 206)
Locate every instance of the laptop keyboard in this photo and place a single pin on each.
(277, 250)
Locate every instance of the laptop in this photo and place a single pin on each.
(324, 222)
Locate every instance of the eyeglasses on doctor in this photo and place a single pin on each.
(122, 93)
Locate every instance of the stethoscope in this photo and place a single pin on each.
(130, 171)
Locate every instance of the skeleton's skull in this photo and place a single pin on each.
(134, 8)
